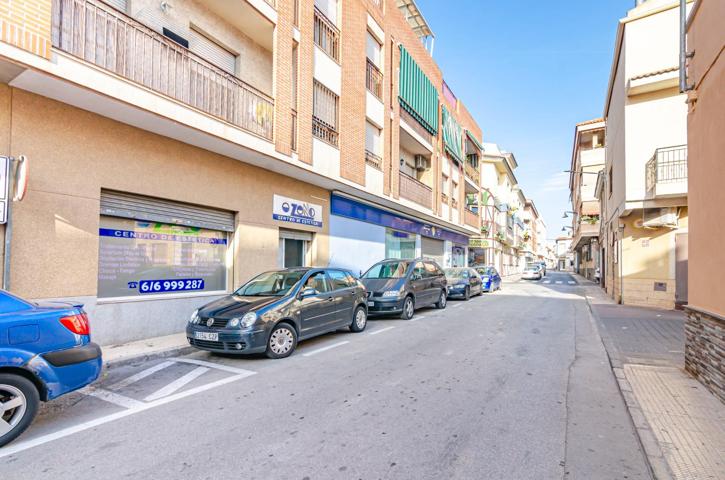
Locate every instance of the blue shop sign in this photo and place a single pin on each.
(345, 207)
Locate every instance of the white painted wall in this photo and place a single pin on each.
(326, 71)
(374, 109)
(325, 158)
(373, 180)
(355, 245)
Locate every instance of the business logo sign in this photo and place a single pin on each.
(295, 211)
(478, 243)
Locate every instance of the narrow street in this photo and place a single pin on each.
(514, 384)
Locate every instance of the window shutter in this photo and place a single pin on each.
(212, 52)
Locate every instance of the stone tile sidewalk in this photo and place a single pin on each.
(680, 423)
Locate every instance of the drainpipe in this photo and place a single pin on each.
(684, 55)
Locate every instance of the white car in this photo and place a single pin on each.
(532, 273)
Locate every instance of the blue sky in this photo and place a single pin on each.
(528, 71)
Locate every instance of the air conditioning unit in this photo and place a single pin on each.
(421, 163)
(660, 217)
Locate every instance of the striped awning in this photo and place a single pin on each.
(417, 94)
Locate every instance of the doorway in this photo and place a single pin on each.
(294, 248)
(681, 269)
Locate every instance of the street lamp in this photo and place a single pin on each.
(581, 171)
(574, 214)
(563, 229)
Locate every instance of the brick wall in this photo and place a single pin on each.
(705, 350)
(26, 24)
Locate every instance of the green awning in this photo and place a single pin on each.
(417, 94)
(452, 136)
(474, 140)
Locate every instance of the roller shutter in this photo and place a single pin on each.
(117, 4)
(295, 235)
(137, 207)
(212, 52)
(432, 248)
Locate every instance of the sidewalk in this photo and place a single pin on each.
(680, 423)
(141, 350)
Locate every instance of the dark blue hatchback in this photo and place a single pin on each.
(45, 351)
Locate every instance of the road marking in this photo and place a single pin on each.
(324, 349)
(115, 398)
(177, 384)
(415, 319)
(381, 330)
(218, 366)
(571, 283)
(559, 282)
(455, 305)
(547, 281)
(43, 439)
(140, 375)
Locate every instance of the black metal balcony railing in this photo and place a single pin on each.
(667, 165)
(113, 41)
(374, 79)
(326, 35)
(325, 113)
(373, 160)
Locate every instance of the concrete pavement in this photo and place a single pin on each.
(510, 385)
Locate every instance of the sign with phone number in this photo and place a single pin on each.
(162, 286)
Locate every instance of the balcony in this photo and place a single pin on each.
(327, 36)
(666, 172)
(472, 172)
(108, 39)
(374, 80)
(415, 191)
(373, 160)
(470, 218)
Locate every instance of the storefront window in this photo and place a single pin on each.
(399, 244)
(138, 258)
(458, 256)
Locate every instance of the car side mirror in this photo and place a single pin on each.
(308, 292)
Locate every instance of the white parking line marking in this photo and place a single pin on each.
(415, 319)
(218, 366)
(381, 330)
(324, 349)
(115, 398)
(571, 283)
(140, 375)
(559, 282)
(177, 384)
(547, 281)
(43, 439)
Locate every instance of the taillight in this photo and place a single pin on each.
(77, 324)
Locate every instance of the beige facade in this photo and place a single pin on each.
(643, 186)
(224, 105)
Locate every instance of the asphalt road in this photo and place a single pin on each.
(511, 385)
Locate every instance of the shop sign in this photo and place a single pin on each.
(478, 243)
(290, 210)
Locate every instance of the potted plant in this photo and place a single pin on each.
(484, 229)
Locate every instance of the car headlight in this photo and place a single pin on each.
(391, 293)
(248, 320)
(194, 317)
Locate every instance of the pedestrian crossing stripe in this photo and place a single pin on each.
(571, 283)
(559, 282)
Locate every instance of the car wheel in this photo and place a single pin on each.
(442, 300)
(282, 341)
(467, 294)
(359, 320)
(408, 308)
(19, 400)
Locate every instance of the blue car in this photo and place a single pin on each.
(490, 277)
(45, 351)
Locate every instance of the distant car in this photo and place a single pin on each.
(532, 272)
(276, 309)
(543, 267)
(45, 352)
(401, 286)
(463, 282)
(490, 278)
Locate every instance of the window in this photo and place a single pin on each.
(373, 143)
(138, 258)
(338, 279)
(454, 190)
(328, 8)
(444, 184)
(276, 284)
(373, 50)
(387, 270)
(326, 34)
(211, 51)
(318, 282)
(399, 244)
(419, 270)
(609, 181)
(324, 113)
(430, 270)
(295, 69)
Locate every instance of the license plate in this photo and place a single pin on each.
(371, 304)
(212, 336)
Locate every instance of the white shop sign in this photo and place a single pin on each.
(290, 210)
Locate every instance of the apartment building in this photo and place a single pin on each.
(587, 161)
(563, 255)
(705, 325)
(643, 187)
(177, 148)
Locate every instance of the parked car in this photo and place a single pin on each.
(463, 282)
(276, 309)
(45, 352)
(543, 267)
(532, 272)
(490, 278)
(401, 286)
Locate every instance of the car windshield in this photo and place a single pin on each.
(387, 270)
(456, 273)
(485, 271)
(271, 284)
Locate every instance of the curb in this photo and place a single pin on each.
(146, 356)
(659, 469)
